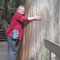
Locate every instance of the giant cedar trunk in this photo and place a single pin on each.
(59, 20)
(36, 31)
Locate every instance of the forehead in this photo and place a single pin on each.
(22, 8)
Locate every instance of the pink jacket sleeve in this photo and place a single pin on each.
(22, 18)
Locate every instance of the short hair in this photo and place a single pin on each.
(19, 7)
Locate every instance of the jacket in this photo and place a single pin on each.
(16, 23)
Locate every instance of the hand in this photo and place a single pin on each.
(37, 17)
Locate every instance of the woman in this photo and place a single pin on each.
(17, 23)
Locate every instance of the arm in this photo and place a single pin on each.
(35, 17)
(24, 19)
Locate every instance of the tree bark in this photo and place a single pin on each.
(36, 31)
(5, 8)
(59, 21)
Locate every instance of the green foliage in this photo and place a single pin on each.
(22, 2)
(10, 7)
(11, 4)
(1, 3)
(8, 0)
(13, 10)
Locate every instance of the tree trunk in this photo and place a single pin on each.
(36, 31)
(59, 21)
(5, 8)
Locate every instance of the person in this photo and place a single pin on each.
(17, 23)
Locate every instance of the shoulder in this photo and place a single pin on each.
(18, 14)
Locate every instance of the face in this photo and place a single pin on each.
(22, 10)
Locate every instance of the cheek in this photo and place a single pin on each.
(23, 11)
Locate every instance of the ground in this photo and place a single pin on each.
(3, 50)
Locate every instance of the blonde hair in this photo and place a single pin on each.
(19, 7)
